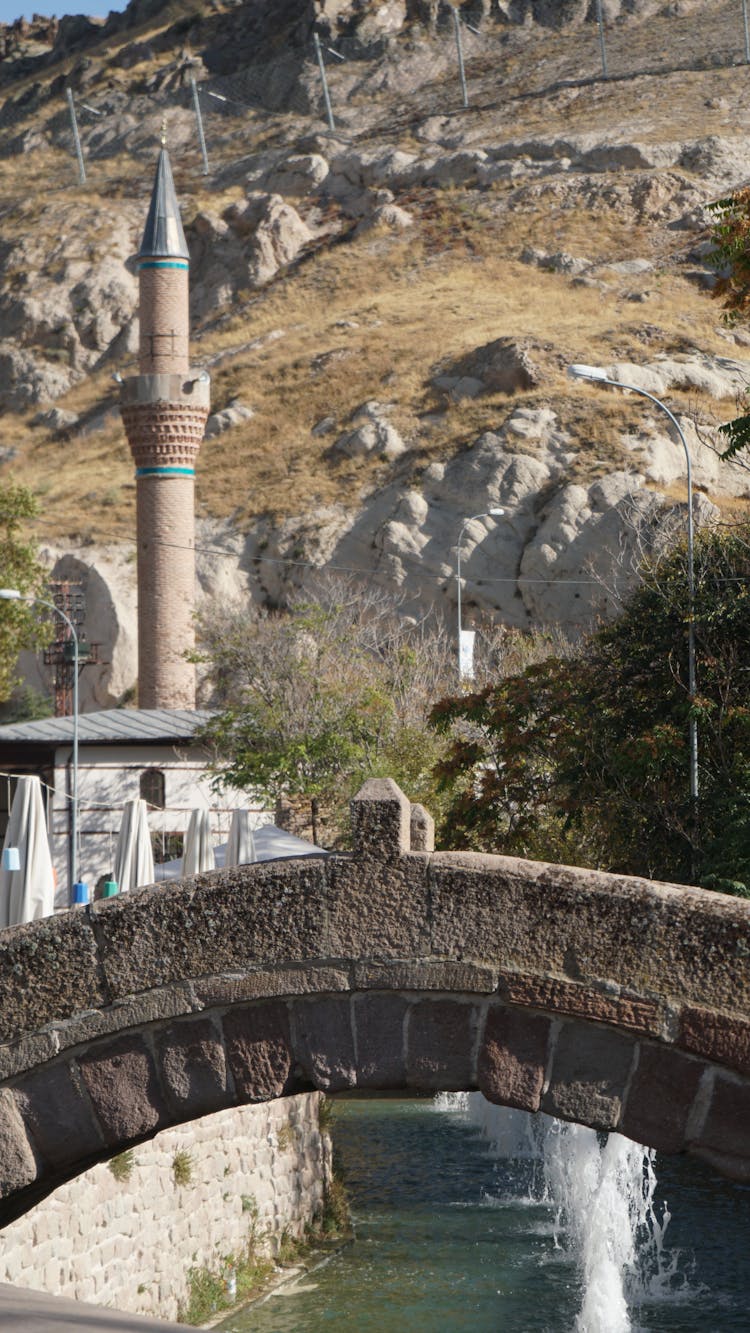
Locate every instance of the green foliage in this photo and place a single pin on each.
(20, 569)
(26, 705)
(122, 1165)
(182, 1167)
(731, 259)
(326, 1114)
(731, 253)
(586, 760)
(315, 701)
(336, 1219)
(208, 1288)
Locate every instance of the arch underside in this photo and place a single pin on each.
(99, 1097)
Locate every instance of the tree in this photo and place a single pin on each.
(313, 701)
(19, 568)
(731, 259)
(586, 759)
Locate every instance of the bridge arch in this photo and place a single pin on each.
(614, 1002)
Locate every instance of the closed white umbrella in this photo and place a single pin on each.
(198, 855)
(241, 845)
(28, 893)
(134, 859)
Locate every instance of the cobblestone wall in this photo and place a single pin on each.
(129, 1243)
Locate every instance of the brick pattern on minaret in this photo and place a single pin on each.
(164, 410)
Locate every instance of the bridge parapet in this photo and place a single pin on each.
(616, 1002)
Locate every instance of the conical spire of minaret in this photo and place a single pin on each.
(163, 236)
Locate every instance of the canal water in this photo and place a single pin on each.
(471, 1219)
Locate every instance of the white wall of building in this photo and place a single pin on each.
(108, 776)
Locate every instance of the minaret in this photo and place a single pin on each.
(164, 410)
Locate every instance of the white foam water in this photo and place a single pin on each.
(601, 1191)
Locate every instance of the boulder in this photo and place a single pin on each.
(26, 380)
(389, 216)
(232, 415)
(300, 174)
(275, 235)
(55, 419)
(371, 433)
(506, 365)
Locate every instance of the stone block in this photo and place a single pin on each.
(590, 1069)
(381, 821)
(726, 1129)
(221, 922)
(193, 1067)
(721, 1038)
(379, 1027)
(376, 910)
(48, 969)
(661, 1093)
(419, 976)
(121, 1081)
(585, 925)
(513, 1058)
(422, 830)
(440, 1044)
(18, 1166)
(557, 996)
(58, 1115)
(259, 1050)
(28, 1052)
(265, 983)
(324, 1042)
(135, 1011)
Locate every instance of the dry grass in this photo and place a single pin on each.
(418, 301)
(421, 299)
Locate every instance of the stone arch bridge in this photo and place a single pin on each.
(615, 1002)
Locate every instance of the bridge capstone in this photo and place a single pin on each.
(612, 1001)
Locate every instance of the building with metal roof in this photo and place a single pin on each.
(123, 753)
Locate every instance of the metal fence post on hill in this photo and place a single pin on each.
(324, 81)
(460, 53)
(199, 123)
(747, 32)
(602, 42)
(76, 137)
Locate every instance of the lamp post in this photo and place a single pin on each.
(13, 595)
(579, 372)
(486, 514)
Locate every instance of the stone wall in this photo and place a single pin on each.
(129, 1243)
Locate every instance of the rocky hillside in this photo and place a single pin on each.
(388, 308)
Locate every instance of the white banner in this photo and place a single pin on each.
(466, 654)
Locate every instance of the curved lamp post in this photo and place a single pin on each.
(486, 514)
(13, 595)
(601, 377)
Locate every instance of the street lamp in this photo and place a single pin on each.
(578, 372)
(495, 513)
(13, 595)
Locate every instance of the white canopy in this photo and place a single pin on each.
(241, 846)
(271, 844)
(134, 860)
(28, 893)
(198, 855)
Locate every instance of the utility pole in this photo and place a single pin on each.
(199, 122)
(324, 81)
(602, 43)
(460, 53)
(76, 137)
(68, 600)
